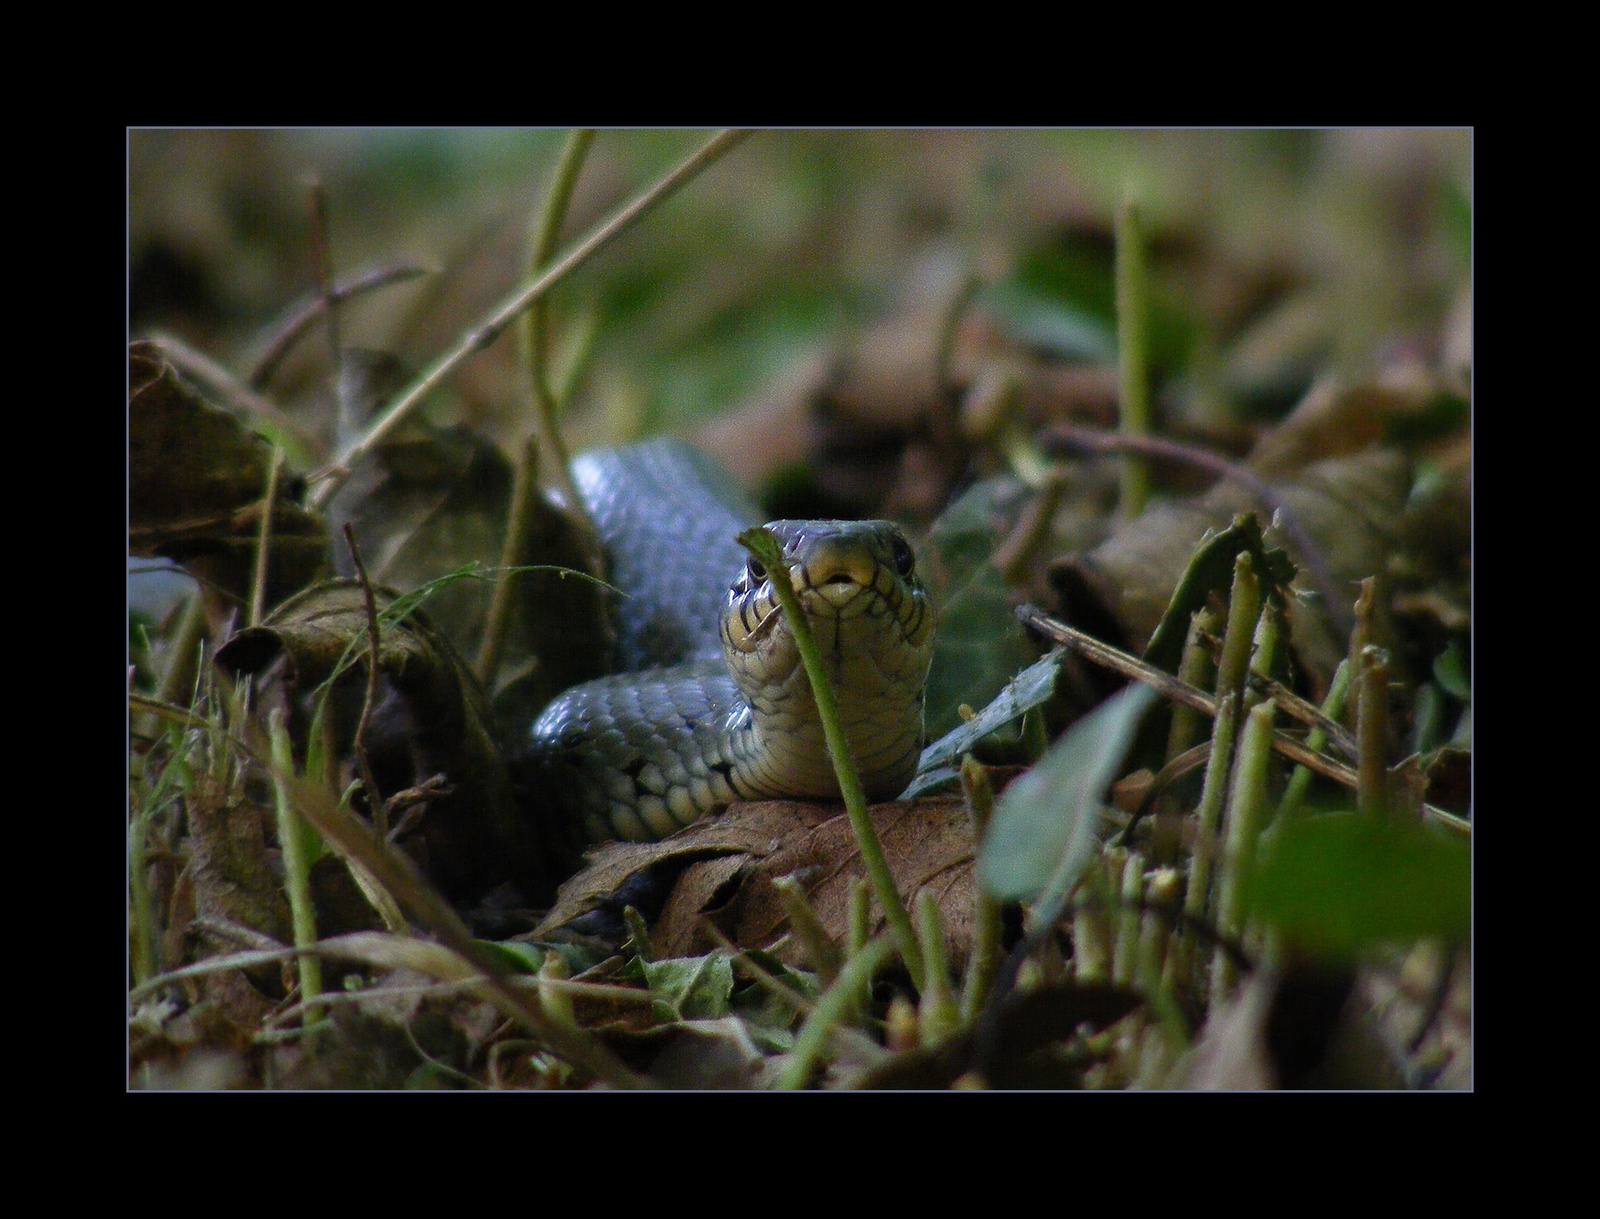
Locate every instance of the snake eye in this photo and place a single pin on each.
(904, 560)
(757, 572)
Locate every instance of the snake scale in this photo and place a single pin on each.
(710, 703)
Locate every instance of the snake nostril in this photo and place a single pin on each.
(839, 578)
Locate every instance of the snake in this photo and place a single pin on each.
(710, 703)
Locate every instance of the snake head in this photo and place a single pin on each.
(873, 622)
(842, 570)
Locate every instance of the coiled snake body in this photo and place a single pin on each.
(643, 753)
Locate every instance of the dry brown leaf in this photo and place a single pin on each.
(196, 479)
(928, 843)
(1349, 506)
(1232, 1054)
(429, 718)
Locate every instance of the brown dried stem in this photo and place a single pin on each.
(1171, 688)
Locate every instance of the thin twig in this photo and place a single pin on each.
(485, 334)
(269, 503)
(536, 340)
(375, 803)
(1292, 705)
(294, 327)
(945, 421)
(241, 398)
(405, 808)
(543, 436)
(1171, 688)
(1176, 767)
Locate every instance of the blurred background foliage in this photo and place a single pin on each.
(1344, 248)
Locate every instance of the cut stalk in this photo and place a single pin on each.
(1247, 806)
(1243, 607)
(983, 959)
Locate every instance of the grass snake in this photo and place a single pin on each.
(711, 703)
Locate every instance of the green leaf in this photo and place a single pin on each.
(1063, 299)
(1450, 671)
(1340, 883)
(1211, 570)
(978, 650)
(980, 644)
(694, 988)
(941, 761)
(1066, 332)
(1046, 825)
(513, 955)
(767, 1015)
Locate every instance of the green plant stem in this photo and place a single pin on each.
(859, 916)
(1244, 605)
(845, 993)
(638, 934)
(769, 553)
(1181, 692)
(1372, 733)
(1247, 807)
(554, 1000)
(1091, 932)
(808, 929)
(544, 436)
(524, 490)
(1361, 632)
(983, 958)
(535, 331)
(1196, 668)
(937, 1015)
(1125, 956)
(269, 500)
(1133, 385)
(1161, 890)
(1269, 633)
(146, 943)
(1331, 707)
(535, 334)
(504, 314)
(296, 868)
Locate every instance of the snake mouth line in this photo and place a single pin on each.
(838, 602)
